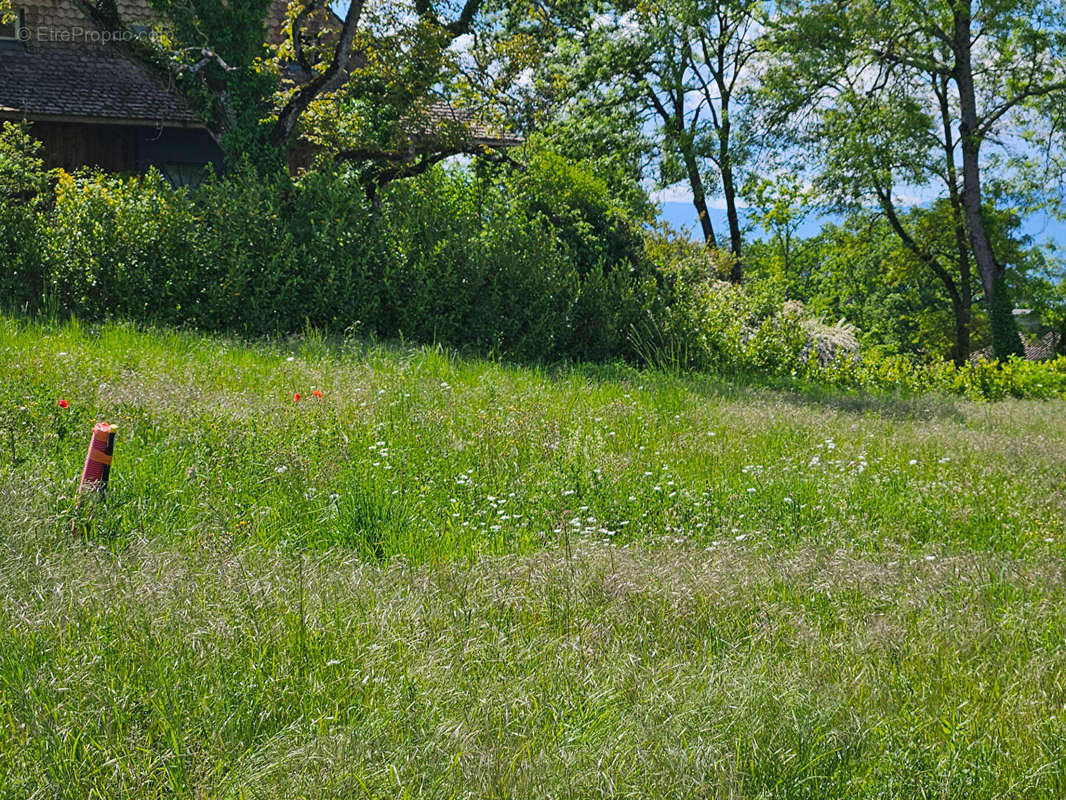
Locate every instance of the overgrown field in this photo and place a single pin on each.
(454, 578)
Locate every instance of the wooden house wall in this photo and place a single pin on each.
(124, 148)
(111, 147)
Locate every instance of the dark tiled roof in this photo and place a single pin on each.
(64, 15)
(1043, 349)
(78, 80)
(439, 118)
(60, 15)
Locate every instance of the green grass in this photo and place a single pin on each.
(454, 578)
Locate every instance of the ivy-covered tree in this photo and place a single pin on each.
(360, 85)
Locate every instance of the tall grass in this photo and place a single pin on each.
(451, 577)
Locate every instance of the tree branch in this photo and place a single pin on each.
(1040, 91)
(328, 81)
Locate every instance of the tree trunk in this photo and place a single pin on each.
(331, 79)
(736, 274)
(729, 189)
(963, 315)
(699, 195)
(963, 308)
(1005, 340)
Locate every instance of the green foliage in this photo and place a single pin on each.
(242, 253)
(23, 177)
(595, 230)
(464, 273)
(980, 380)
(233, 87)
(715, 326)
(24, 191)
(1005, 341)
(540, 265)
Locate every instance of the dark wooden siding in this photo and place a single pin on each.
(110, 147)
(124, 148)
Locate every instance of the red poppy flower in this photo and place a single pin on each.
(62, 403)
(296, 398)
(316, 393)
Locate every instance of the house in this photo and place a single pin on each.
(92, 106)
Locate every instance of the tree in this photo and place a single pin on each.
(686, 65)
(329, 69)
(211, 51)
(882, 86)
(780, 208)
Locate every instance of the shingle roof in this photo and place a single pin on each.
(439, 118)
(62, 15)
(76, 80)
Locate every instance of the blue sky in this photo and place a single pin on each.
(680, 214)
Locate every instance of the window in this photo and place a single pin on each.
(13, 28)
(185, 175)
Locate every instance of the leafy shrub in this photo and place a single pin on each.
(715, 326)
(464, 271)
(980, 380)
(450, 259)
(24, 191)
(485, 264)
(595, 230)
(240, 253)
(538, 264)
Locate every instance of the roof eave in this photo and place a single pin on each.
(497, 142)
(13, 114)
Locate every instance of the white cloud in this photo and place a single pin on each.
(681, 193)
(525, 79)
(678, 193)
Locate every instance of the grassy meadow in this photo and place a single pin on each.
(449, 577)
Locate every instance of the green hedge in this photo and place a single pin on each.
(982, 380)
(450, 258)
(534, 264)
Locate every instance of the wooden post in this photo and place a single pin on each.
(97, 468)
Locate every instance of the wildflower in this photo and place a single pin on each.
(296, 397)
(63, 403)
(316, 393)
